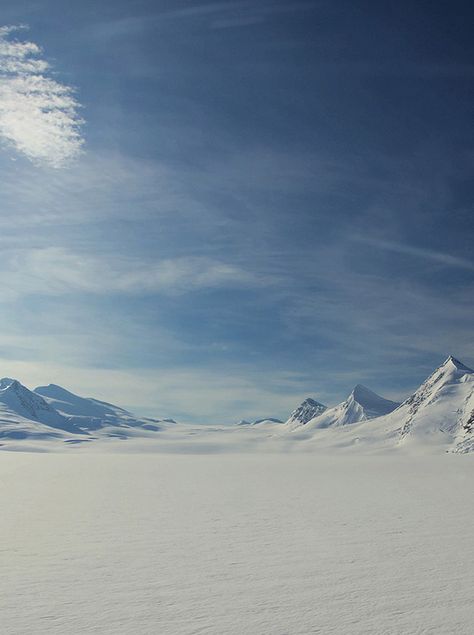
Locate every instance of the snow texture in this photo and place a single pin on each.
(278, 544)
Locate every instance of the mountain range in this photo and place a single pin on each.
(361, 405)
(54, 412)
(438, 415)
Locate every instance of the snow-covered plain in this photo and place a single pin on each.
(354, 519)
(257, 543)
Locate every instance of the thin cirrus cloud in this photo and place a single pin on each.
(418, 252)
(38, 115)
(57, 271)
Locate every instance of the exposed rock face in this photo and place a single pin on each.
(306, 411)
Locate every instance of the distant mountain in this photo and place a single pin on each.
(19, 405)
(306, 411)
(438, 416)
(361, 405)
(244, 422)
(70, 404)
(54, 412)
(92, 414)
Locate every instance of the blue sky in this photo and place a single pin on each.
(240, 205)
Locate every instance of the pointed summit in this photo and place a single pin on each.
(450, 372)
(372, 405)
(452, 361)
(306, 411)
(361, 405)
(361, 393)
(442, 406)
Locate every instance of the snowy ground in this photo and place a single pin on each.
(277, 544)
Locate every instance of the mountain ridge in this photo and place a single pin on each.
(439, 414)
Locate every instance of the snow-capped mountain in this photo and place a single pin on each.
(20, 407)
(442, 409)
(244, 422)
(52, 411)
(91, 414)
(361, 405)
(438, 416)
(70, 404)
(306, 411)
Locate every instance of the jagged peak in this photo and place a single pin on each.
(309, 401)
(308, 409)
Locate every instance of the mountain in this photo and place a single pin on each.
(306, 411)
(70, 404)
(441, 410)
(244, 422)
(438, 416)
(361, 405)
(54, 412)
(91, 414)
(23, 412)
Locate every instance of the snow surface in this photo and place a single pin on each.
(117, 525)
(277, 544)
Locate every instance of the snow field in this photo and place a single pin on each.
(281, 544)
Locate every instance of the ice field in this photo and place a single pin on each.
(280, 544)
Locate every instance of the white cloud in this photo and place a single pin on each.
(38, 115)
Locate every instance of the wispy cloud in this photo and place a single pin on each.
(38, 115)
(225, 15)
(57, 271)
(214, 15)
(268, 6)
(418, 252)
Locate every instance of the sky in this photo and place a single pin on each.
(212, 210)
